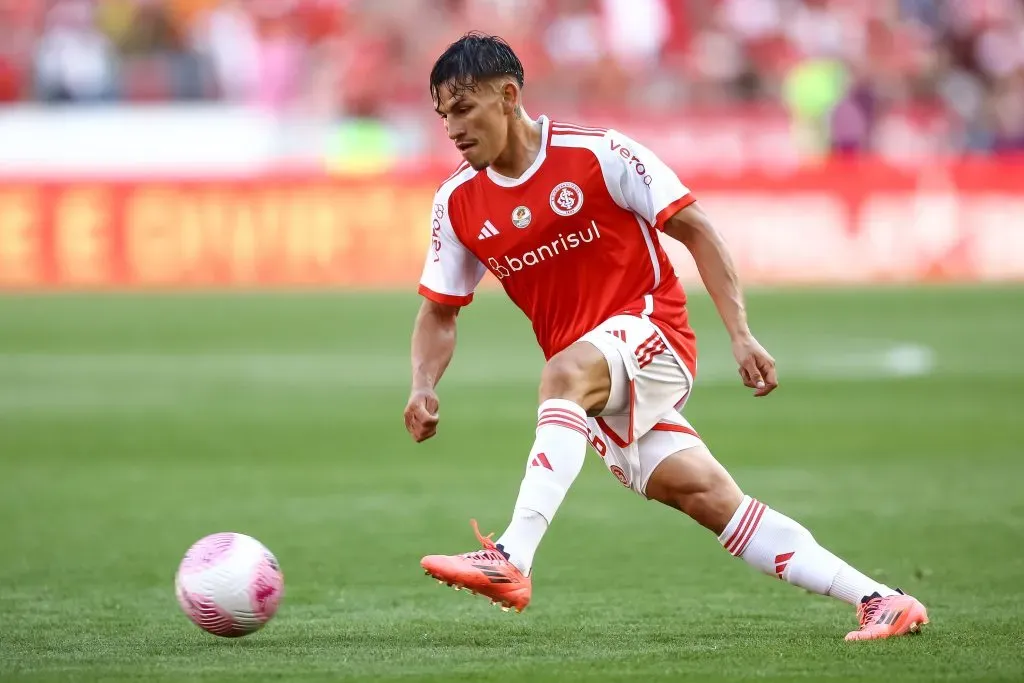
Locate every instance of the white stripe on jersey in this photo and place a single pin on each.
(650, 250)
(462, 167)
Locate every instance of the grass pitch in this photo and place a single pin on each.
(132, 425)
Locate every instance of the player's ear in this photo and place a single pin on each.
(509, 97)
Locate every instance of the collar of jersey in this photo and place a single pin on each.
(505, 181)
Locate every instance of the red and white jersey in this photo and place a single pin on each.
(572, 240)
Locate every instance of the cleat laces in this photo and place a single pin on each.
(490, 551)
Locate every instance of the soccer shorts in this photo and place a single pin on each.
(640, 424)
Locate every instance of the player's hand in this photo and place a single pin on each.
(757, 367)
(421, 414)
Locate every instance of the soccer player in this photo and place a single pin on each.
(567, 217)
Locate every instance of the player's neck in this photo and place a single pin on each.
(524, 142)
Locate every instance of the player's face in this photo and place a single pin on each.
(477, 122)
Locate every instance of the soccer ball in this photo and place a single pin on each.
(229, 584)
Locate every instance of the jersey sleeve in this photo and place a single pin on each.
(641, 182)
(451, 272)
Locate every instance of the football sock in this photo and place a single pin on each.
(555, 460)
(778, 546)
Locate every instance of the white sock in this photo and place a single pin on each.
(778, 546)
(522, 537)
(555, 460)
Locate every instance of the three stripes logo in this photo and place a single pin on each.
(888, 617)
(781, 561)
(651, 347)
(621, 334)
(493, 574)
(487, 231)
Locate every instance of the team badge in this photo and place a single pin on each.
(521, 217)
(566, 199)
(620, 475)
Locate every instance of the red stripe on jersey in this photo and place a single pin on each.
(578, 132)
(672, 209)
(673, 427)
(573, 126)
(445, 299)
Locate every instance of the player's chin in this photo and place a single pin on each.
(476, 160)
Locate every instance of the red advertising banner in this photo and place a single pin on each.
(858, 222)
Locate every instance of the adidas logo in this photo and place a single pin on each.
(781, 561)
(541, 461)
(488, 231)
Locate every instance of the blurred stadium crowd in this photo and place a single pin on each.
(845, 61)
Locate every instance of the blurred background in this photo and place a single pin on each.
(306, 125)
(853, 75)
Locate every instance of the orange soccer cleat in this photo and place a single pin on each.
(486, 572)
(892, 615)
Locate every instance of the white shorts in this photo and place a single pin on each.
(640, 425)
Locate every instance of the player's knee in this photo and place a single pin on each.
(563, 377)
(711, 507)
(576, 376)
(708, 494)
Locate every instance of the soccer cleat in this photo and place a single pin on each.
(485, 572)
(892, 615)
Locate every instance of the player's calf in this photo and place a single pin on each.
(573, 382)
(694, 482)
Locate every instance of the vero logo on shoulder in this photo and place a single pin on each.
(632, 161)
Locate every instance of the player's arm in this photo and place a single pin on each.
(639, 181)
(433, 344)
(450, 276)
(694, 229)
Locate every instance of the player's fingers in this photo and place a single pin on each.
(424, 432)
(771, 379)
(756, 380)
(426, 421)
(745, 377)
(418, 420)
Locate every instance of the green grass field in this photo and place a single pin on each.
(132, 425)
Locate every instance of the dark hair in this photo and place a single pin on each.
(472, 58)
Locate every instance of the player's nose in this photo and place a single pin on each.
(456, 133)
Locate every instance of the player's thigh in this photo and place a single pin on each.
(579, 373)
(672, 465)
(645, 377)
(634, 464)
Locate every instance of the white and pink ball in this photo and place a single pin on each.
(229, 584)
